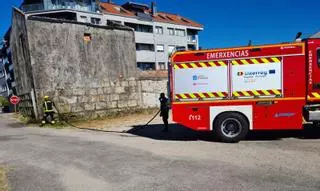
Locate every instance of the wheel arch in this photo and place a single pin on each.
(245, 111)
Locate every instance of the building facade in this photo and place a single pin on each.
(7, 82)
(157, 34)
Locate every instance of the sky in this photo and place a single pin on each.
(229, 23)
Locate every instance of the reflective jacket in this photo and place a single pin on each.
(48, 106)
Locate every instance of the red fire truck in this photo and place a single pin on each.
(234, 90)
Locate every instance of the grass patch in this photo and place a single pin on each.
(3, 180)
(57, 125)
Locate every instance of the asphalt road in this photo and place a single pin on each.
(50, 159)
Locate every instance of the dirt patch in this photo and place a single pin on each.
(3, 180)
(120, 121)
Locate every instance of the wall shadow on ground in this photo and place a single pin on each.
(181, 133)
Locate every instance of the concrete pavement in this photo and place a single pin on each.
(50, 159)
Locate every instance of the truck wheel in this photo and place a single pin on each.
(231, 127)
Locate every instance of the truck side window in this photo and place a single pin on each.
(318, 58)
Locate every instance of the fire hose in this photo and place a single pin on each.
(129, 131)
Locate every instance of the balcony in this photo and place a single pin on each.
(144, 37)
(145, 56)
(66, 5)
(192, 39)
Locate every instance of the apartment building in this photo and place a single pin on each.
(3, 83)
(157, 33)
(7, 82)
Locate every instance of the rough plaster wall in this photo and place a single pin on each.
(88, 79)
(62, 59)
(20, 53)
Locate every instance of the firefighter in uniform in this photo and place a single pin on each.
(48, 110)
(164, 111)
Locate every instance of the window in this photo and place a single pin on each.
(162, 65)
(1, 74)
(159, 30)
(145, 47)
(180, 32)
(318, 58)
(3, 88)
(160, 48)
(83, 19)
(171, 48)
(87, 37)
(146, 65)
(112, 22)
(131, 25)
(145, 28)
(171, 31)
(95, 21)
(180, 48)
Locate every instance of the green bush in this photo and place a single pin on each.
(4, 101)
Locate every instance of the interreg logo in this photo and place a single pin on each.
(256, 73)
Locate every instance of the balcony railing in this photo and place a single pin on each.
(67, 5)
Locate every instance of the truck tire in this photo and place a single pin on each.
(231, 127)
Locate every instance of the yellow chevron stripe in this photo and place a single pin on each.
(203, 64)
(192, 96)
(184, 66)
(234, 62)
(222, 63)
(193, 65)
(183, 96)
(277, 92)
(315, 94)
(201, 95)
(176, 97)
(265, 60)
(176, 67)
(211, 94)
(212, 64)
(220, 94)
(275, 59)
(236, 94)
(245, 62)
(256, 93)
(245, 93)
(266, 92)
(255, 61)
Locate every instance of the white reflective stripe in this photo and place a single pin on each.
(45, 106)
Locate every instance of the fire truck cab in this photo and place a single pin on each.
(234, 90)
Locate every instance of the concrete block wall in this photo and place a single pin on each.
(90, 103)
(150, 91)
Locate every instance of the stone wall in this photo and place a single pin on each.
(89, 71)
(126, 95)
(21, 53)
(150, 91)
